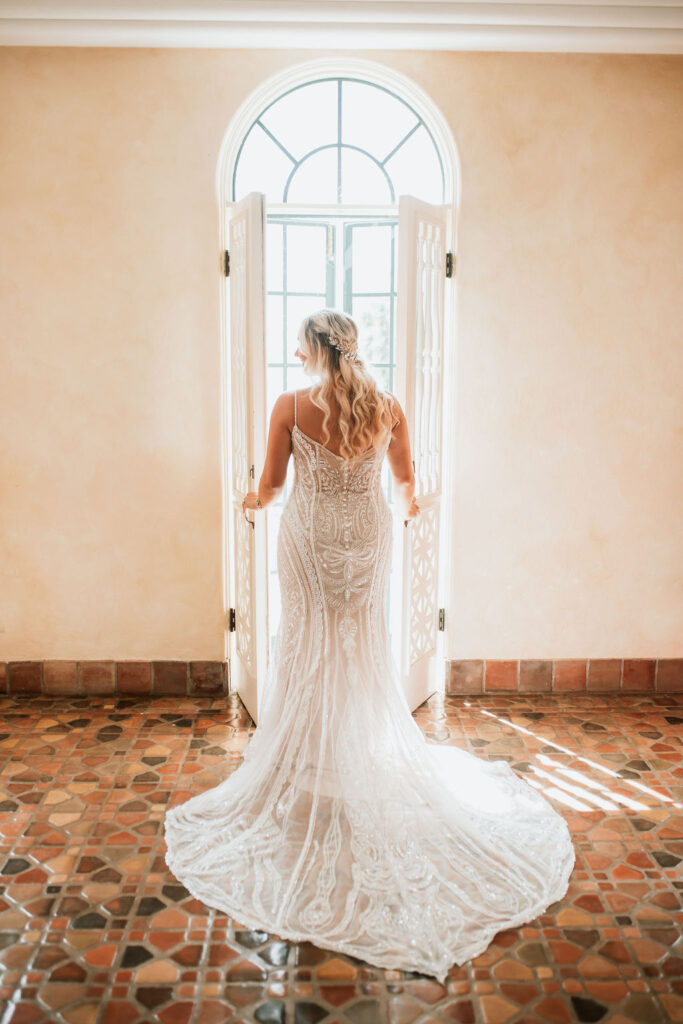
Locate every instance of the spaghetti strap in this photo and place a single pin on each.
(295, 408)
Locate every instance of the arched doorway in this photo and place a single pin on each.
(330, 146)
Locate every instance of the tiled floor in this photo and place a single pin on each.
(94, 928)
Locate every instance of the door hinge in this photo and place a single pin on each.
(231, 620)
(226, 263)
(442, 618)
(251, 472)
(449, 264)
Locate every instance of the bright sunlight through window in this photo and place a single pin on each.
(332, 157)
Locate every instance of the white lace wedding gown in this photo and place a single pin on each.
(342, 825)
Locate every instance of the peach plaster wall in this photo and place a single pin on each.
(566, 426)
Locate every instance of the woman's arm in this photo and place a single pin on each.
(278, 450)
(401, 464)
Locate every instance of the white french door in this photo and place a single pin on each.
(422, 247)
(247, 538)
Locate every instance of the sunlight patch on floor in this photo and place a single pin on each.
(574, 788)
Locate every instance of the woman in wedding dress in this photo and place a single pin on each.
(342, 825)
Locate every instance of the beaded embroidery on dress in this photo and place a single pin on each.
(342, 825)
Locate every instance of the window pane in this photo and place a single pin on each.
(296, 378)
(262, 167)
(371, 258)
(274, 328)
(306, 258)
(274, 256)
(373, 319)
(382, 375)
(305, 118)
(315, 181)
(298, 307)
(373, 119)
(415, 169)
(362, 180)
(274, 387)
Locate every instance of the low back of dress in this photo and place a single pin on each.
(334, 549)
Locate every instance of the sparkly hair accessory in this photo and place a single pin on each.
(347, 349)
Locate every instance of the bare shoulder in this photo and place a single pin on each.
(396, 409)
(283, 408)
(299, 392)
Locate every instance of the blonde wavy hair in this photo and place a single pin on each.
(328, 339)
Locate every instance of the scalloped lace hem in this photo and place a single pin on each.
(456, 957)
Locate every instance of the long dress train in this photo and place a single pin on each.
(342, 825)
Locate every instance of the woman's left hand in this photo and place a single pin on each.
(251, 500)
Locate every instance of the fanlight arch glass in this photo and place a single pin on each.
(339, 141)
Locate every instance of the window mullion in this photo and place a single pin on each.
(330, 280)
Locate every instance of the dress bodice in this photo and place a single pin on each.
(319, 470)
(339, 513)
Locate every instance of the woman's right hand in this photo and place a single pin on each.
(413, 509)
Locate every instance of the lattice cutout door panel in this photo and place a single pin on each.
(423, 245)
(248, 430)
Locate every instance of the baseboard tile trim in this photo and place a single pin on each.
(565, 675)
(118, 678)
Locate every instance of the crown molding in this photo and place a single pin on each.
(541, 26)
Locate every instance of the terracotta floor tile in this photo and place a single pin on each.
(94, 927)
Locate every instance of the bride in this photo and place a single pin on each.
(342, 825)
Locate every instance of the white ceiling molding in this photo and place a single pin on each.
(648, 26)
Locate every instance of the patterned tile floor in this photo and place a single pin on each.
(94, 929)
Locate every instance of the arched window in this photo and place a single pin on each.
(340, 141)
